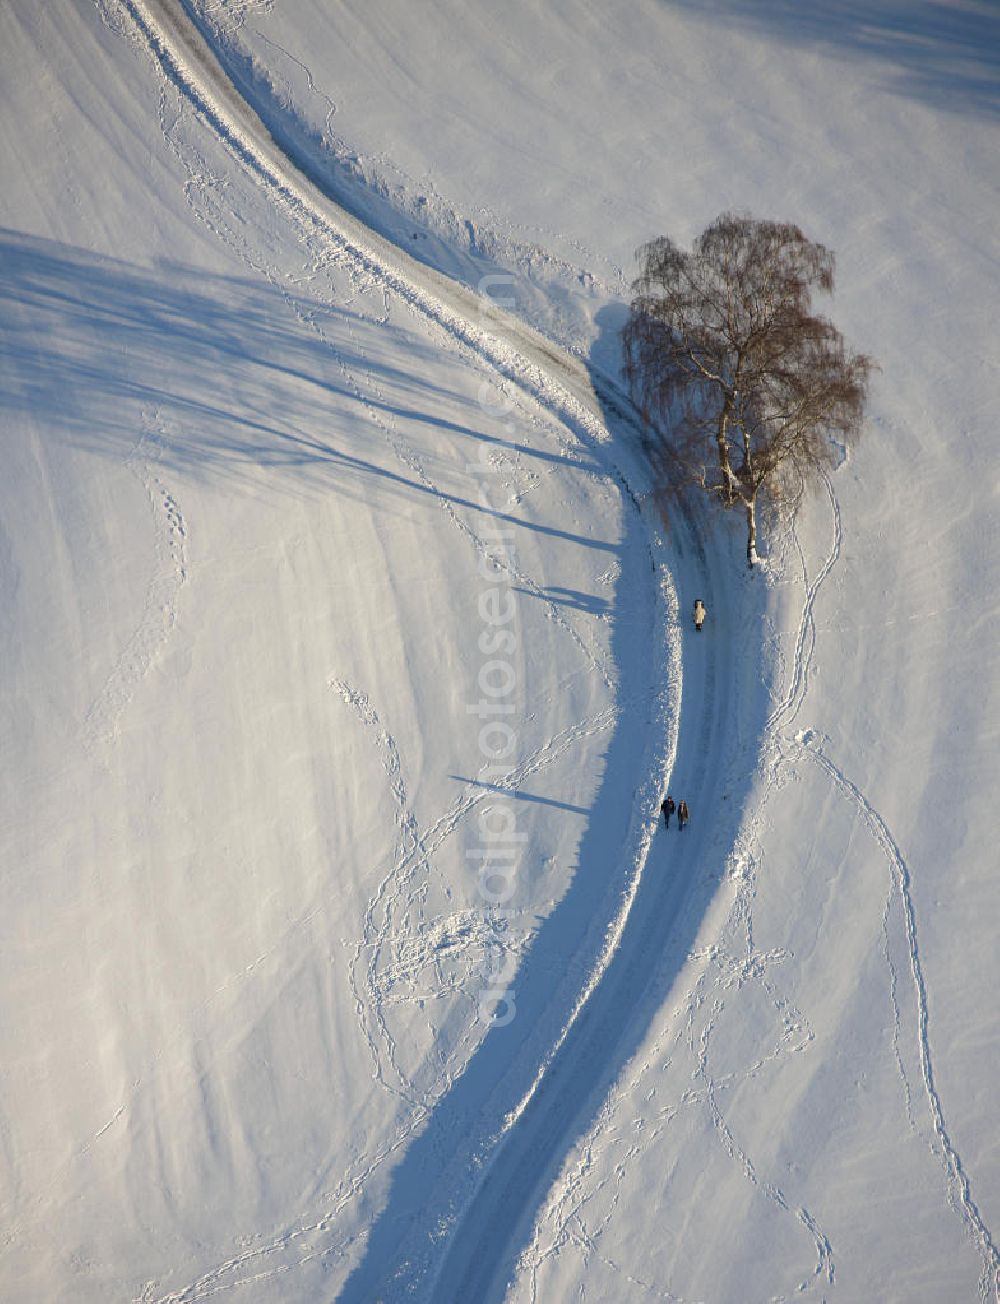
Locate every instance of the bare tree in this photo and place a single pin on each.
(754, 393)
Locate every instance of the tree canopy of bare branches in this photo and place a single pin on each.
(723, 355)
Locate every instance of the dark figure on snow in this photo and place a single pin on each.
(699, 614)
(683, 815)
(668, 806)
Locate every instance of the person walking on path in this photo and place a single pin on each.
(668, 806)
(699, 614)
(683, 815)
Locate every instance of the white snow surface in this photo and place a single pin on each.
(262, 433)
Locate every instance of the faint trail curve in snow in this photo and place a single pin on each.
(331, 108)
(159, 608)
(958, 1181)
(897, 1023)
(783, 748)
(824, 1267)
(794, 1036)
(374, 935)
(384, 928)
(805, 639)
(390, 950)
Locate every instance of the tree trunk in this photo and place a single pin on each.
(725, 466)
(751, 507)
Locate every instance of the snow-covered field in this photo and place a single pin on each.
(313, 466)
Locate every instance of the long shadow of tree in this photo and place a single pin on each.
(91, 344)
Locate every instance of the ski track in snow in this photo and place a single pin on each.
(159, 610)
(529, 367)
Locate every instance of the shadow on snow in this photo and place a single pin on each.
(93, 349)
(452, 1176)
(943, 53)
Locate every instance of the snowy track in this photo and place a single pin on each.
(497, 1224)
(614, 991)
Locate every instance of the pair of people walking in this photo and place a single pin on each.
(668, 806)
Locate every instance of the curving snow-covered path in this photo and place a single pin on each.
(526, 1112)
